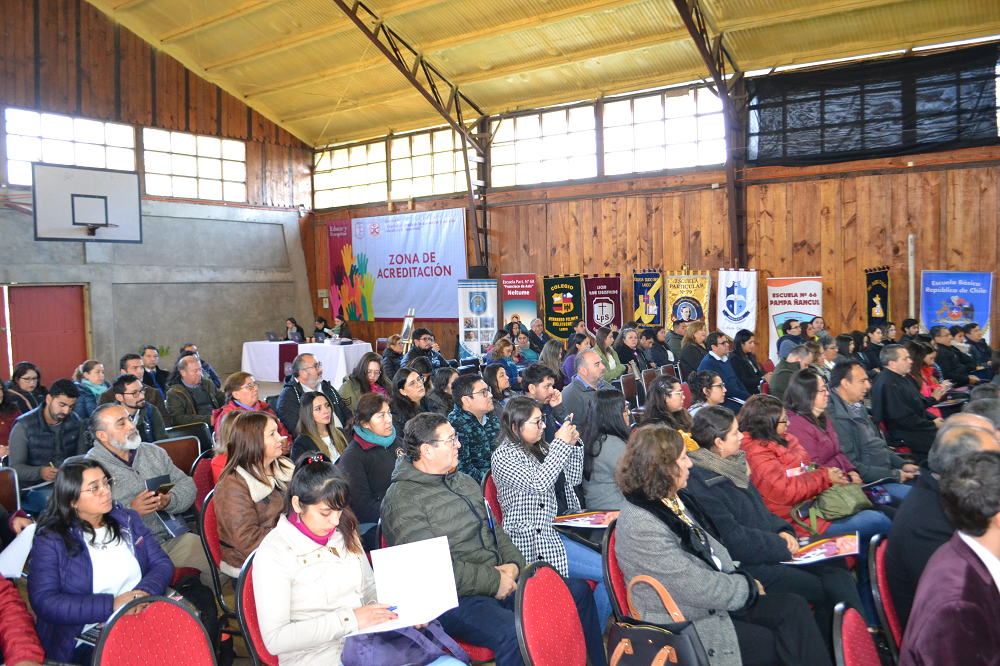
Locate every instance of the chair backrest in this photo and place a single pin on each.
(490, 495)
(687, 394)
(183, 451)
(648, 376)
(272, 401)
(852, 644)
(165, 632)
(765, 388)
(381, 344)
(468, 370)
(668, 370)
(629, 387)
(199, 430)
(246, 611)
(10, 490)
(208, 528)
(884, 606)
(201, 473)
(548, 626)
(614, 579)
(767, 365)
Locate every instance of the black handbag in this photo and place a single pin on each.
(633, 642)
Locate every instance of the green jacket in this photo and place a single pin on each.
(781, 376)
(181, 407)
(421, 506)
(609, 373)
(350, 392)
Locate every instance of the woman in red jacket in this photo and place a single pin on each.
(19, 644)
(241, 394)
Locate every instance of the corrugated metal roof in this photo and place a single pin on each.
(303, 64)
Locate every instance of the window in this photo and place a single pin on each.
(663, 131)
(427, 163)
(55, 139)
(351, 175)
(194, 167)
(544, 147)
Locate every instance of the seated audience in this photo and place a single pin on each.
(221, 449)
(631, 348)
(131, 463)
(744, 362)
(537, 337)
(248, 496)
(806, 401)
(707, 390)
(25, 387)
(577, 343)
(589, 378)
(923, 371)
(89, 378)
(898, 405)
(206, 369)
(476, 424)
(874, 348)
(717, 361)
(89, 558)
(514, 328)
(654, 344)
(368, 461)
(693, 348)
(502, 355)
(675, 337)
(664, 533)
(321, 327)
(953, 366)
(955, 611)
(131, 364)
(306, 606)
(194, 398)
(243, 393)
(845, 349)
(130, 393)
(423, 345)
(8, 414)
(314, 432)
(921, 525)
(19, 644)
(665, 405)
(757, 538)
(891, 333)
(911, 327)
(861, 351)
(307, 375)
(791, 337)
(42, 439)
(152, 375)
(439, 400)
(552, 358)
(535, 482)
(820, 334)
(408, 397)
(524, 350)
(292, 326)
(860, 439)
(607, 428)
(367, 377)
(613, 367)
(958, 342)
(428, 499)
(495, 377)
(979, 350)
(423, 368)
(797, 359)
(539, 382)
(392, 356)
(340, 328)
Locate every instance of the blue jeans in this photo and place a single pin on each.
(33, 500)
(897, 490)
(586, 563)
(867, 524)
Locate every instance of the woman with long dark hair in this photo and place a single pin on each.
(535, 483)
(860, 352)
(693, 348)
(25, 387)
(502, 354)
(665, 406)
(315, 432)
(293, 326)
(578, 342)
(613, 367)
(604, 433)
(922, 371)
(439, 399)
(408, 397)
(552, 358)
(707, 390)
(496, 378)
(845, 348)
(744, 362)
(368, 376)
(806, 400)
(89, 558)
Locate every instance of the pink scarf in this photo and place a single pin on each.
(297, 521)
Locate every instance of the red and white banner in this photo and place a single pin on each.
(798, 298)
(603, 299)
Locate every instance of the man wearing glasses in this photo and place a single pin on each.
(423, 345)
(791, 337)
(717, 360)
(307, 375)
(128, 392)
(131, 364)
(476, 424)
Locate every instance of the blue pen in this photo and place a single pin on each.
(392, 608)
(489, 514)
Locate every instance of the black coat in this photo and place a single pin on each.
(954, 364)
(536, 342)
(368, 468)
(691, 358)
(872, 353)
(919, 527)
(659, 354)
(748, 371)
(26, 401)
(748, 530)
(160, 382)
(897, 403)
(290, 400)
(391, 363)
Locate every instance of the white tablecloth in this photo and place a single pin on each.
(265, 360)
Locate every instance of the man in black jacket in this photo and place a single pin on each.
(978, 349)
(920, 525)
(910, 329)
(897, 404)
(152, 375)
(952, 365)
(307, 375)
(537, 337)
(423, 345)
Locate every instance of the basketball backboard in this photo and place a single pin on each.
(84, 204)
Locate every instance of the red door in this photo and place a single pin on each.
(48, 328)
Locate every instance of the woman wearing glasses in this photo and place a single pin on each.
(707, 390)
(25, 387)
(408, 396)
(89, 557)
(665, 406)
(535, 483)
(368, 376)
(241, 391)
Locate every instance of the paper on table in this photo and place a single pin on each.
(418, 597)
(13, 557)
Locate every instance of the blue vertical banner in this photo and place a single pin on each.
(647, 288)
(950, 298)
(477, 316)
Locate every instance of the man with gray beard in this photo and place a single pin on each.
(130, 462)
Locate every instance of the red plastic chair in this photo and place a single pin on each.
(614, 579)
(668, 370)
(10, 490)
(201, 473)
(886, 609)
(246, 611)
(549, 632)
(208, 527)
(183, 451)
(765, 388)
(852, 644)
(687, 394)
(166, 632)
(490, 495)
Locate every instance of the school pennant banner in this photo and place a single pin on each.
(737, 301)
(477, 316)
(563, 297)
(519, 300)
(647, 289)
(877, 290)
(799, 298)
(603, 296)
(688, 297)
(949, 298)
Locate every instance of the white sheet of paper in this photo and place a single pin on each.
(418, 579)
(13, 557)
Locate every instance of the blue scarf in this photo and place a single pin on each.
(372, 438)
(96, 389)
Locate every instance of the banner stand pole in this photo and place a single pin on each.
(910, 253)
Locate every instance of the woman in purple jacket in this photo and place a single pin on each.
(89, 557)
(806, 399)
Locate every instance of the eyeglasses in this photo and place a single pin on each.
(374, 373)
(29, 379)
(250, 387)
(134, 394)
(485, 392)
(99, 488)
(450, 441)
(318, 366)
(425, 338)
(715, 386)
(538, 423)
(783, 422)
(676, 393)
(413, 383)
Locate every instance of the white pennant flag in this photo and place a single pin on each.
(737, 300)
